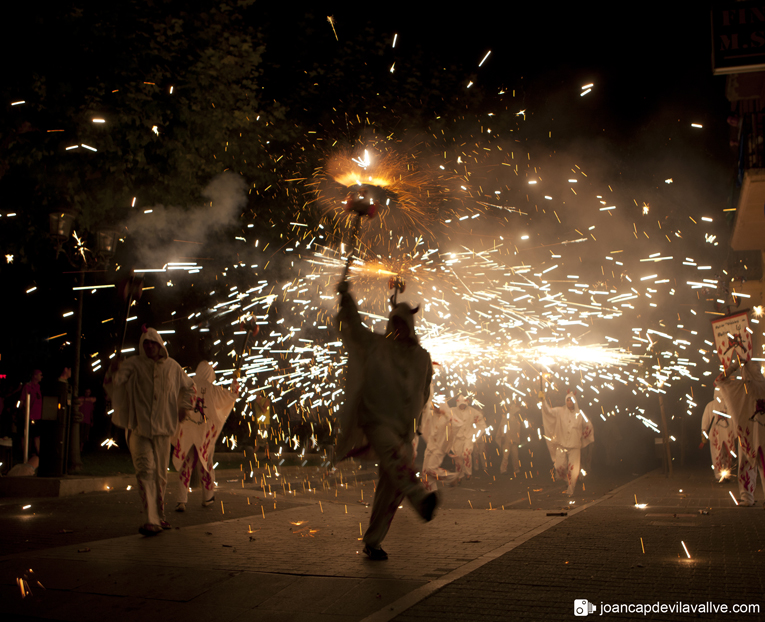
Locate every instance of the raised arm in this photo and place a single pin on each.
(186, 393)
(117, 374)
(348, 318)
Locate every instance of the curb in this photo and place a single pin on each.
(68, 485)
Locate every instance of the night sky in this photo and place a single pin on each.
(651, 75)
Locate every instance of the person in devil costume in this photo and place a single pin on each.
(387, 386)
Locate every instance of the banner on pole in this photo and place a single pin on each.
(732, 339)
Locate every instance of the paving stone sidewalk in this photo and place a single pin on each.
(304, 563)
(616, 553)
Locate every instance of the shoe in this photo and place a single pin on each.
(149, 530)
(165, 525)
(180, 507)
(428, 507)
(376, 555)
(208, 503)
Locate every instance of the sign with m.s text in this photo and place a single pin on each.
(738, 37)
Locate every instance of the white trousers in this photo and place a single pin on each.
(567, 466)
(479, 453)
(151, 456)
(462, 454)
(431, 478)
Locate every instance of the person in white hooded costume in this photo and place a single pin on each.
(150, 393)
(435, 431)
(462, 420)
(720, 432)
(387, 386)
(567, 431)
(194, 441)
(745, 401)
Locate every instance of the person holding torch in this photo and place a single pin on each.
(387, 386)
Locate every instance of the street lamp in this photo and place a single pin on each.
(61, 222)
(106, 242)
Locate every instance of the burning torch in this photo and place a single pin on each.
(363, 201)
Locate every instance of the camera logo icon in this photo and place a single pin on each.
(583, 607)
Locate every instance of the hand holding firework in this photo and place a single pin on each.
(397, 284)
(130, 289)
(542, 387)
(115, 364)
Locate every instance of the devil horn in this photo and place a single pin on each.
(415, 310)
(144, 329)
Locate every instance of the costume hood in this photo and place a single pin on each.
(752, 372)
(406, 313)
(205, 372)
(572, 395)
(152, 335)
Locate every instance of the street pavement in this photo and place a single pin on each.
(613, 552)
(499, 548)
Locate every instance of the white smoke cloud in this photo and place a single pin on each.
(166, 234)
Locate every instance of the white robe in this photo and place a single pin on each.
(147, 395)
(568, 431)
(435, 431)
(745, 400)
(212, 406)
(722, 437)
